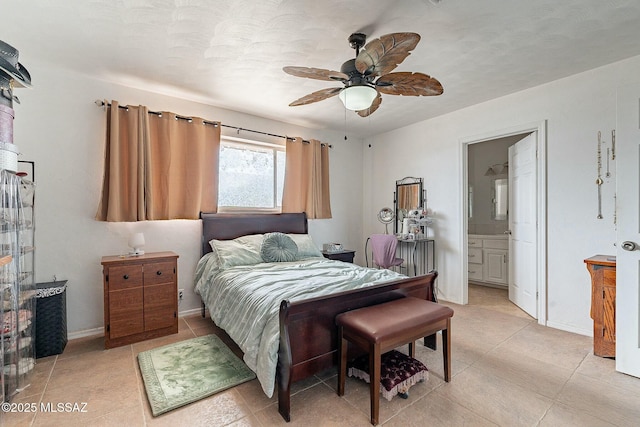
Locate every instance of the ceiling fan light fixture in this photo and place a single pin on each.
(357, 97)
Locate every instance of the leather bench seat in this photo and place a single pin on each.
(383, 327)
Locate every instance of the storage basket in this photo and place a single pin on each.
(51, 318)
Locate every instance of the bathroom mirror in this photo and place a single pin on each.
(409, 195)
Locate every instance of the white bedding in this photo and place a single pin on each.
(245, 300)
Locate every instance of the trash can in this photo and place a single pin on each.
(51, 318)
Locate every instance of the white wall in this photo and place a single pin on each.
(575, 109)
(58, 126)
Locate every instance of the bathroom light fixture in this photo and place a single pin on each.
(498, 169)
(136, 243)
(490, 172)
(357, 97)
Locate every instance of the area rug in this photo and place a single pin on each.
(177, 374)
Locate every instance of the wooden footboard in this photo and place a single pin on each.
(308, 334)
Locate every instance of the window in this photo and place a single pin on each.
(251, 175)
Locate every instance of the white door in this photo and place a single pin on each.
(522, 225)
(628, 231)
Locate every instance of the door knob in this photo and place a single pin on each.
(507, 232)
(629, 246)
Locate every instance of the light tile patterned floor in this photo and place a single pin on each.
(507, 371)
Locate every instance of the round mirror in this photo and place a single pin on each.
(386, 216)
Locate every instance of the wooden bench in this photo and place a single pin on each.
(383, 327)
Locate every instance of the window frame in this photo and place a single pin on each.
(231, 141)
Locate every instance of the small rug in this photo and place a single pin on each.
(184, 372)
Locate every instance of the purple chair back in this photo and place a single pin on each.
(383, 247)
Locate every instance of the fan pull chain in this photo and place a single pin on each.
(345, 124)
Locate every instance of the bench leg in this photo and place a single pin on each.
(446, 350)
(412, 349)
(374, 377)
(342, 372)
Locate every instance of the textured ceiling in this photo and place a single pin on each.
(230, 53)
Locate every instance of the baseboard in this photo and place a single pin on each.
(100, 331)
(567, 328)
(488, 285)
(190, 312)
(86, 333)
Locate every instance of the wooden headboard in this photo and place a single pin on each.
(229, 226)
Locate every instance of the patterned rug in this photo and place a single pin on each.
(177, 374)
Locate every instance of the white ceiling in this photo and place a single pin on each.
(230, 53)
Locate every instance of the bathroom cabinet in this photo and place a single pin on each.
(488, 260)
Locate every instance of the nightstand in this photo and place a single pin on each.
(345, 256)
(140, 297)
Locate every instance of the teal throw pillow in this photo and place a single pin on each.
(278, 247)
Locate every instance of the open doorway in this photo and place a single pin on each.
(489, 258)
(504, 220)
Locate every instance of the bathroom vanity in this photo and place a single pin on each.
(489, 259)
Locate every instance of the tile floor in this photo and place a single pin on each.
(507, 371)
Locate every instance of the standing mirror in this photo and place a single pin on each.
(386, 216)
(409, 196)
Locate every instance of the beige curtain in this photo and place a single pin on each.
(123, 180)
(158, 166)
(182, 168)
(306, 179)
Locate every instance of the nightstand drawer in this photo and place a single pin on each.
(124, 277)
(158, 272)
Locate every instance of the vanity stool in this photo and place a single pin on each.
(383, 327)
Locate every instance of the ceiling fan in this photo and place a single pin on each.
(361, 91)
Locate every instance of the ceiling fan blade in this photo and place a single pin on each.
(409, 84)
(374, 106)
(317, 96)
(381, 56)
(316, 73)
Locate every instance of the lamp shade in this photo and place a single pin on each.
(136, 243)
(357, 97)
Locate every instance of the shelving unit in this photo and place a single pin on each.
(17, 282)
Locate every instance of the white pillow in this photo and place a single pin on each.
(243, 250)
(306, 247)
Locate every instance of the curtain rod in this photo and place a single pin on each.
(101, 103)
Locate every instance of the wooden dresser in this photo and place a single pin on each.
(603, 303)
(140, 297)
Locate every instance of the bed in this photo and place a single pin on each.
(306, 335)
